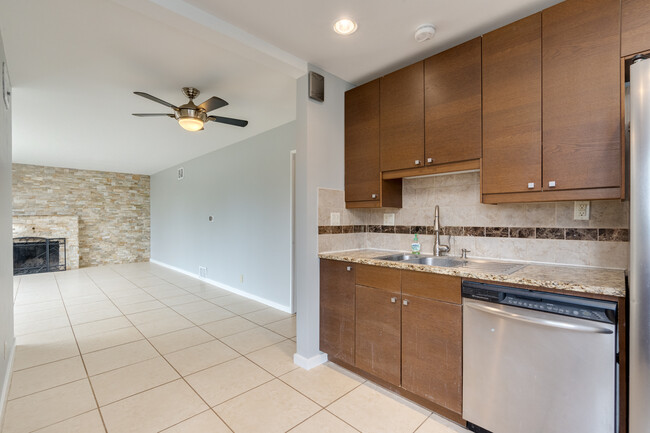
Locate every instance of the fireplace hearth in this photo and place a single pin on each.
(34, 255)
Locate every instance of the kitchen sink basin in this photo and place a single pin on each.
(477, 265)
(445, 262)
(398, 257)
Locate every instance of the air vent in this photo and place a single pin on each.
(181, 173)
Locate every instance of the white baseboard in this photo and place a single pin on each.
(7, 382)
(309, 363)
(285, 308)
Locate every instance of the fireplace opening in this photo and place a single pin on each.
(35, 255)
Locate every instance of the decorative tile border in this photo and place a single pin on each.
(569, 234)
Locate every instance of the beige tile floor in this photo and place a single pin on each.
(140, 348)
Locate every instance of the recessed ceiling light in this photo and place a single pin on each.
(345, 26)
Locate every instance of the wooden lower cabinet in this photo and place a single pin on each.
(337, 280)
(377, 349)
(432, 351)
(401, 328)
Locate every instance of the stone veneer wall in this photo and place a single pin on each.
(541, 232)
(113, 209)
(52, 227)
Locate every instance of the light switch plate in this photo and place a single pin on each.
(335, 219)
(389, 219)
(581, 210)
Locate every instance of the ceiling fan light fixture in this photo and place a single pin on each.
(345, 26)
(190, 123)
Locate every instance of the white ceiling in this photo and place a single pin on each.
(74, 65)
(384, 40)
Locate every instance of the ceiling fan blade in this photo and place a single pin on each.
(158, 100)
(228, 121)
(152, 114)
(212, 104)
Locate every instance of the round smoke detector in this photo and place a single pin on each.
(425, 32)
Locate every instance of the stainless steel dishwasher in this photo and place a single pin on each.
(536, 362)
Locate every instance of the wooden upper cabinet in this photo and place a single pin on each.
(452, 101)
(432, 345)
(402, 118)
(378, 339)
(362, 175)
(581, 93)
(512, 107)
(635, 27)
(337, 304)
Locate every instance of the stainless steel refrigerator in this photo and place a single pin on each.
(639, 272)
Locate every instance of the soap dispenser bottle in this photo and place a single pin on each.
(415, 246)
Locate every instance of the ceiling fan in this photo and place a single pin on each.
(191, 116)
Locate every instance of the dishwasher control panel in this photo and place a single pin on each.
(565, 305)
(558, 308)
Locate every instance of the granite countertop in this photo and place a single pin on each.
(598, 281)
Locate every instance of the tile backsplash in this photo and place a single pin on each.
(541, 232)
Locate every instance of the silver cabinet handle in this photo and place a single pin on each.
(537, 320)
(429, 160)
(349, 268)
(393, 300)
(531, 185)
(374, 195)
(417, 162)
(405, 302)
(551, 184)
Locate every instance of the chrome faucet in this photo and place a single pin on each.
(437, 248)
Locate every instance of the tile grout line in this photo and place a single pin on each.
(320, 411)
(108, 297)
(177, 372)
(83, 361)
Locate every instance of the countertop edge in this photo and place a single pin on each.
(349, 256)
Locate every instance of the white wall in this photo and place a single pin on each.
(320, 164)
(246, 187)
(6, 252)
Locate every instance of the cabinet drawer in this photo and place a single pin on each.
(378, 277)
(433, 286)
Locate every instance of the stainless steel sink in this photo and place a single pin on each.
(398, 257)
(477, 265)
(445, 262)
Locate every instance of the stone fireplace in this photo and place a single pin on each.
(37, 255)
(48, 227)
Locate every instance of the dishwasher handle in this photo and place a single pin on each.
(538, 321)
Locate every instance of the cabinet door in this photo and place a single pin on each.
(432, 351)
(402, 118)
(378, 333)
(337, 309)
(452, 98)
(512, 107)
(581, 94)
(362, 174)
(635, 27)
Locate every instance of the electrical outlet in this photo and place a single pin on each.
(389, 219)
(335, 219)
(241, 278)
(580, 210)
(203, 272)
(180, 173)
